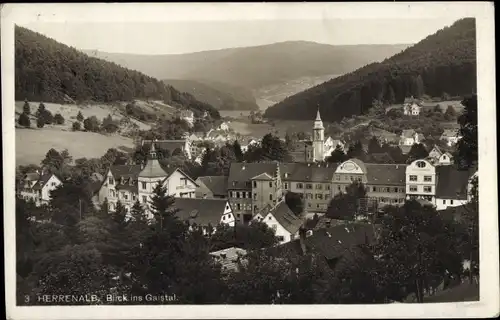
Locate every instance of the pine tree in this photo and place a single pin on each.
(137, 213)
(26, 108)
(237, 151)
(40, 122)
(103, 212)
(58, 119)
(338, 155)
(76, 126)
(24, 120)
(119, 214)
(80, 117)
(162, 206)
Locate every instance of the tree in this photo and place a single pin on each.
(450, 113)
(356, 151)
(58, 119)
(338, 155)
(466, 149)
(80, 117)
(71, 202)
(390, 97)
(109, 125)
(76, 126)
(256, 235)
(91, 124)
(415, 250)
(26, 108)
(24, 120)
(41, 109)
(103, 212)
(294, 201)
(113, 157)
(162, 206)
(274, 149)
(53, 161)
(374, 146)
(119, 214)
(40, 122)
(345, 206)
(417, 152)
(238, 153)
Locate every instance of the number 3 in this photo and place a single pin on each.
(26, 299)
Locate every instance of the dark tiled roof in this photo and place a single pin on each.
(132, 188)
(307, 172)
(200, 211)
(382, 157)
(153, 169)
(42, 181)
(241, 173)
(286, 218)
(383, 174)
(263, 176)
(325, 222)
(332, 242)
(125, 171)
(451, 183)
(216, 184)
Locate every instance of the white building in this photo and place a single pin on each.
(410, 137)
(453, 187)
(128, 183)
(318, 139)
(451, 136)
(421, 181)
(282, 220)
(37, 187)
(205, 214)
(411, 107)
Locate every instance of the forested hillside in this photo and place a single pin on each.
(49, 71)
(219, 95)
(442, 63)
(257, 66)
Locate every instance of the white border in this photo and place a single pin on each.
(482, 11)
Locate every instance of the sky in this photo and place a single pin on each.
(175, 37)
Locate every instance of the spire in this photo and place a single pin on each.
(153, 169)
(318, 116)
(152, 151)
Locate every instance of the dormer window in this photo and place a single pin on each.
(111, 180)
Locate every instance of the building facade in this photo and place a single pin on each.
(37, 187)
(421, 181)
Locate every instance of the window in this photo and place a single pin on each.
(309, 186)
(309, 196)
(270, 184)
(451, 202)
(112, 193)
(274, 227)
(413, 188)
(134, 197)
(238, 206)
(395, 190)
(299, 186)
(374, 189)
(351, 178)
(338, 187)
(237, 194)
(255, 196)
(144, 199)
(144, 186)
(337, 177)
(111, 181)
(319, 186)
(223, 218)
(427, 189)
(270, 197)
(413, 178)
(427, 178)
(255, 208)
(421, 164)
(280, 238)
(269, 218)
(317, 206)
(52, 184)
(319, 196)
(244, 194)
(327, 196)
(444, 201)
(248, 195)
(248, 184)
(309, 204)
(255, 184)
(125, 196)
(327, 187)
(285, 185)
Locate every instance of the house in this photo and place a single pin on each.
(229, 258)
(445, 159)
(384, 136)
(224, 126)
(452, 187)
(129, 183)
(451, 136)
(211, 187)
(282, 220)
(172, 147)
(411, 107)
(409, 137)
(386, 184)
(252, 186)
(331, 145)
(37, 187)
(312, 181)
(205, 214)
(421, 180)
(346, 173)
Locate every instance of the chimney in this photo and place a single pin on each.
(302, 237)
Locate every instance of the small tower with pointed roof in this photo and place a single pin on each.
(150, 176)
(318, 138)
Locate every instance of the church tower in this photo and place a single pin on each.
(318, 139)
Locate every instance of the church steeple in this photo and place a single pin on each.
(153, 168)
(318, 123)
(318, 138)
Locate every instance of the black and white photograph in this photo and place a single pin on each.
(267, 160)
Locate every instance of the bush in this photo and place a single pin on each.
(91, 124)
(58, 119)
(24, 120)
(79, 117)
(77, 126)
(40, 122)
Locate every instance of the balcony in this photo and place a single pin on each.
(185, 188)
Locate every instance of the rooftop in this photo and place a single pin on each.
(216, 184)
(200, 211)
(386, 174)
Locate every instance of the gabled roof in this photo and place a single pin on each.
(449, 133)
(451, 183)
(153, 169)
(286, 218)
(42, 181)
(125, 171)
(325, 222)
(32, 176)
(307, 172)
(386, 174)
(216, 184)
(436, 148)
(200, 211)
(263, 176)
(240, 173)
